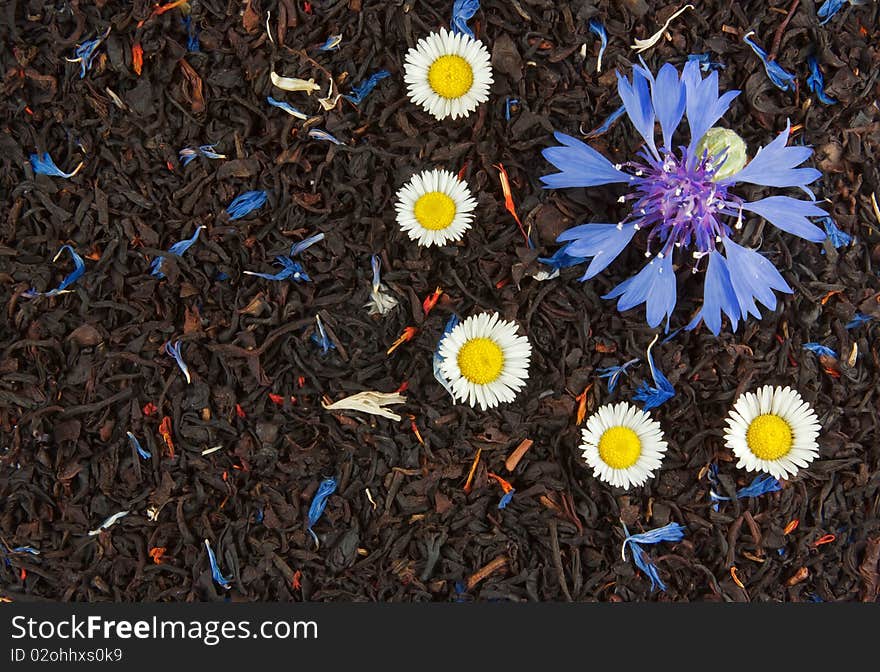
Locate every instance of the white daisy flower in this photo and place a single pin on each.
(773, 430)
(434, 208)
(448, 74)
(622, 444)
(485, 361)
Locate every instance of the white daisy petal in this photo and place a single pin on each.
(485, 361)
(773, 430)
(627, 458)
(459, 84)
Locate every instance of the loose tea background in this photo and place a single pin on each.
(79, 370)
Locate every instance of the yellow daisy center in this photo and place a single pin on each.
(451, 76)
(769, 437)
(620, 447)
(434, 210)
(480, 360)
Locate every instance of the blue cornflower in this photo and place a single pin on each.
(85, 53)
(506, 499)
(319, 503)
(816, 82)
(192, 34)
(331, 43)
(289, 269)
(287, 107)
(820, 349)
(45, 165)
(607, 124)
(670, 532)
(305, 244)
(684, 199)
(761, 485)
(858, 320)
(246, 203)
(187, 154)
(173, 349)
(145, 454)
(462, 12)
(509, 103)
(706, 64)
(661, 392)
(613, 373)
(780, 77)
(830, 7)
(319, 134)
(79, 268)
(362, 90)
(598, 29)
(221, 580)
(438, 360)
(319, 336)
(837, 237)
(177, 250)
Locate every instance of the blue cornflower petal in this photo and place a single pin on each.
(192, 34)
(562, 259)
(451, 324)
(706, 64)
(718, 296)
(505, 500)
(648, 568)
(763, 484)
(828, 9)
(858, 320)
(221, 580)
(580, 165)
(173, 349)
(613, 373)
(319, 336)
(182, 246)
(462, 12)
(85, 53)
(670, 532)
(702, 103)
(331, 43)
(636, 97)
(290, 269)
(79, 268)
(303, 245)
(208, 151)
(838, 237)
(508, 103)
(820, 349)
(790, 215)
(26, 549)
(654, 286)
(287, 107)
(753, 277)
(362, 90)
(45, 165)
(607, 124)
(668, 96)
(598, 29)
(318, 134)
(319, 503)
(774, 165)
(188, 154)
(661, 392)
(602, 242)
(145, 454)
(816, 82)
(246, 203)
(780, 77)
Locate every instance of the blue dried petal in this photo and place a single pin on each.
(332, 43)
(607, 124)
(85, 53)
(837, 237)
(643, 562)
(221, 580)
(290, 269)
(763, 484)
(362, 90)
(244, 204)
(820, 349)
(598, 29)
(192, 34)
(505, 500)
(462, 12)
(173, 349)
(816, 82)
(318, 134)
(670, 532)
(287, 107)
(319, 503)
(303, 245)
(79, 268)
(177, 249)
(858, 320)
(780, 77)
(45, 165)
(830, 7)
(26, 549)
(188, 154)
(145, 454)
(613, 373)
(706, 64)
(451, 324)
(508, 103)
(319, 336)
(661, 392)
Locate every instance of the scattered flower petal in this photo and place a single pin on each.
(858, 320)
(380, 302)
(244, 204)
(820, 349)
(173, 349)
(369, 402)
(332, 43)
(462, 12)
(838, 237)
(294, 83)
(187, 154)
(780, 77)
(318, 134)
(177, 249)
(598, 29)
(661, 392)
(642, 45)
(613, 373)
(45, 165)
(320, 336)
(79, 268)
(221, 580)
(108, 523)
(816, 82)
(362, 90)
(287, 107)
(145, 454)
(319, 503)
(85, 53)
